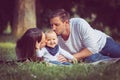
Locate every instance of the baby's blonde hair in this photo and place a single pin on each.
(49, 31)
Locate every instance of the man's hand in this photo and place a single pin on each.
(61, 58)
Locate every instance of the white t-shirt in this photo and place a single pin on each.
(48, 57)
(82, 35)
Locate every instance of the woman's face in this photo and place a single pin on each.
(43, 41)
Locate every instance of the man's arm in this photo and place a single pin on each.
(82, 54)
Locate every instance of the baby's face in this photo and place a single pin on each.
(51, 39)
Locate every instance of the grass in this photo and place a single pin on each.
(38, 71)
(7, 47)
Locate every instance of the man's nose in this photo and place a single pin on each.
(53, 27)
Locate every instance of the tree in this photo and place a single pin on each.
(24, 16)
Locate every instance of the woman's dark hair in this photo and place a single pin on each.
(64, 15)
(26, 44)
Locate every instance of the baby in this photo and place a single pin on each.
(52, 50)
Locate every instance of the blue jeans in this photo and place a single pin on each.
(111, 49)
(95, 57)
(60, 63)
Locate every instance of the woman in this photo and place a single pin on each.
(27, 44)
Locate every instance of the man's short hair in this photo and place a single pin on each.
(64, 15)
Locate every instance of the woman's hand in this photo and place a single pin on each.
(61, 58)
(37, 45)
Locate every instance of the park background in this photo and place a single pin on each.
(16, 16)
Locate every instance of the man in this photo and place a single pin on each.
(80, 39)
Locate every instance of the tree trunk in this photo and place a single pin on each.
(24, 16)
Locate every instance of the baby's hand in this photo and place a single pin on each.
(61, 58)
(75, 61)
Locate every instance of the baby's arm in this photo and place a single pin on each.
(69, 56)
(40, 54)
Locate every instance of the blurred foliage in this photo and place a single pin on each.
(6, 14)
(101, 14)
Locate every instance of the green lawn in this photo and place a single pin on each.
(40, 71)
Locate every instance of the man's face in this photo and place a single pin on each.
(57, 25)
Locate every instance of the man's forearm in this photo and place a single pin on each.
(82, 54)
